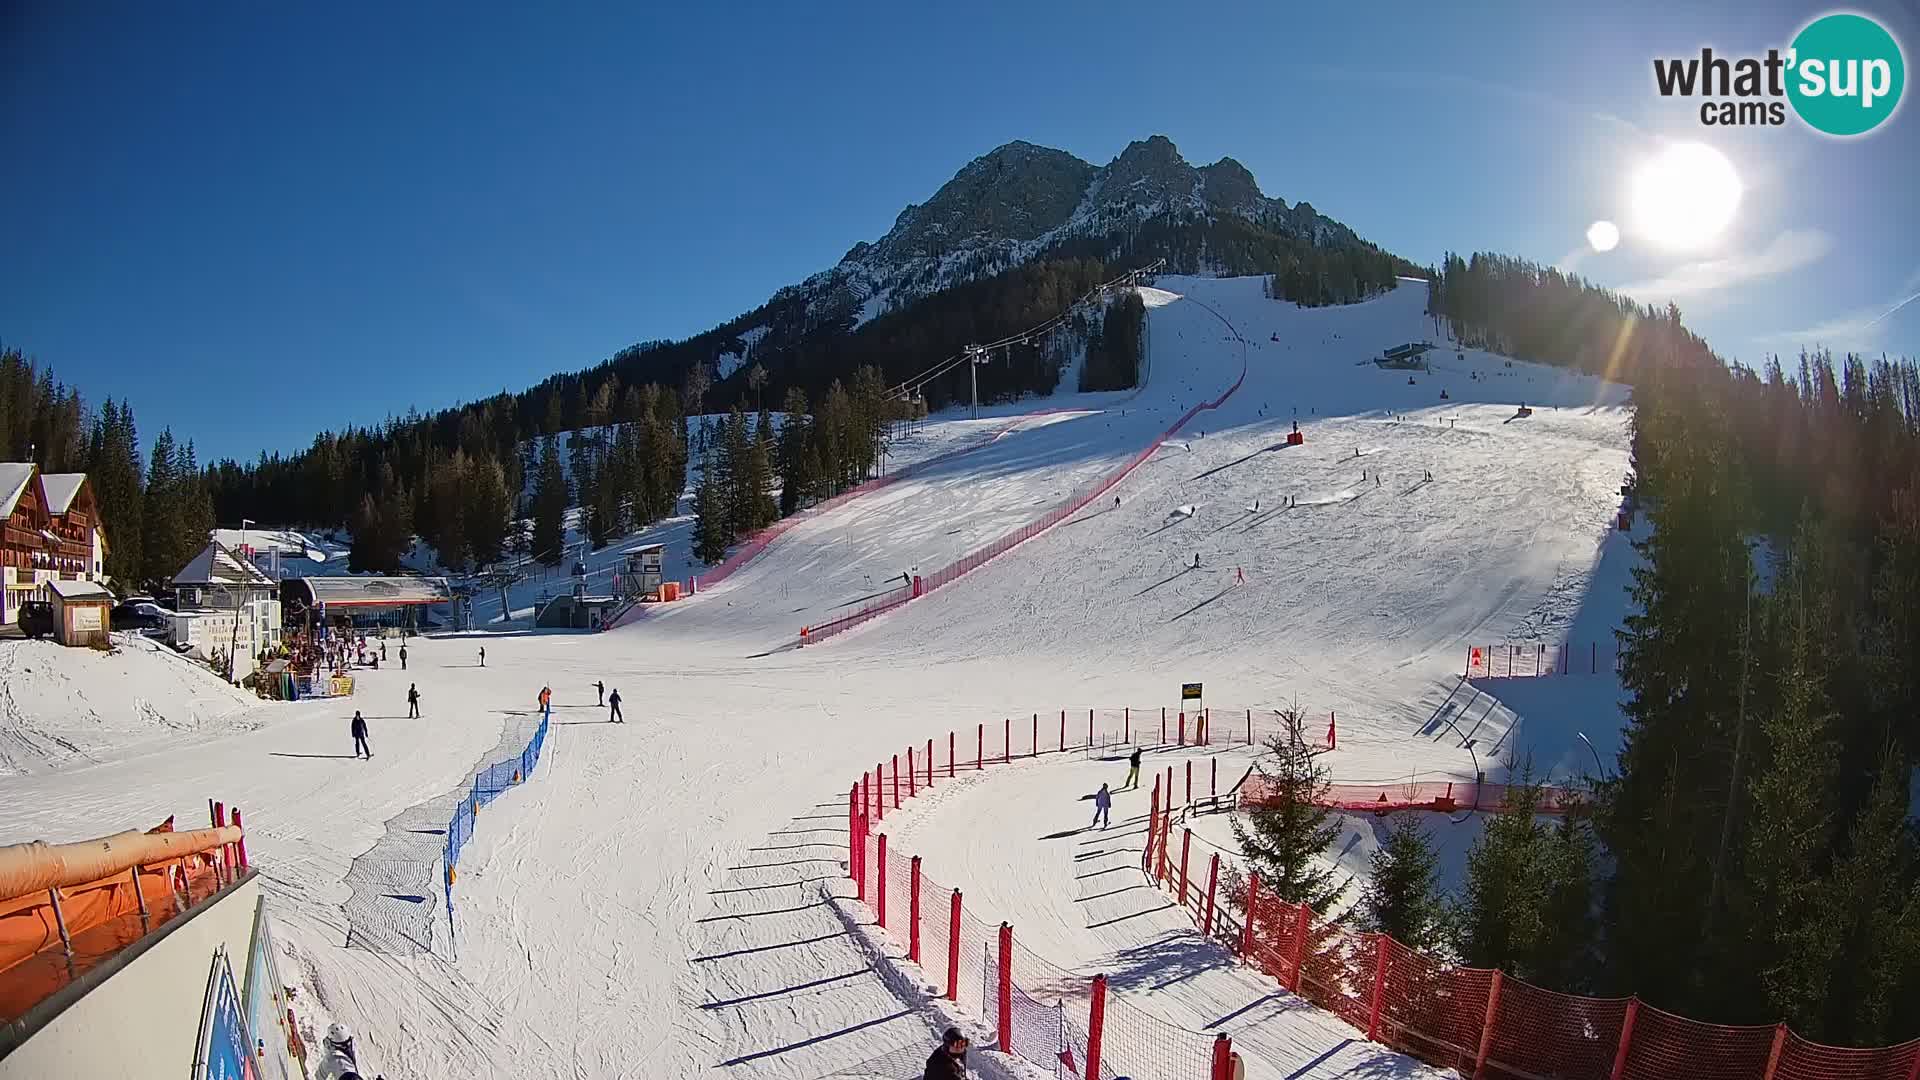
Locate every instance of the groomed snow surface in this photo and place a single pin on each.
(648, 903)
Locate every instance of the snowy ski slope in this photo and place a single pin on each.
(641, 908)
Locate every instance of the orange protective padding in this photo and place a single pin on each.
(101, 917)
(26, 869)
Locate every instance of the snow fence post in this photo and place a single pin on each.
(881, 893)
(1213, 882)
(1626, 1040)
(1380, 943)
(1213, 784)
(1126, 723)
(240, 845)
(1006, 739)
(979, 746)
(1301, 924)
(1189, 803)
(1246, 928)
(1183, 727)
(896, 781)
(1249, 727)
(1486, 1027)
(1005, 1018)
(1205, 738)
(929, 762)
(949, 754)
(1153, 822)
(1096, 1024)
(913, 776)
(1163, 726)
(1222, 1057)
(913, 913)
(1036, 736)
(879, 791)
(1089, 729)
(1166, 829)
(1773, 1056)
(1063, 731)
(855, 849)
(953, 948)
(1186, 844)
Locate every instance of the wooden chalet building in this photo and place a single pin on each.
(52, 532)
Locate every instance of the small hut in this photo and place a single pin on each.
(80, 613)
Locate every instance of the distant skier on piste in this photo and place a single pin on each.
(614, 716)
(1102, 807)
(600, 692)
(359, 730)
(413, 701)
(1133, 769)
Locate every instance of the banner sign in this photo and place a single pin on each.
(1190, 691)
(226, 1053)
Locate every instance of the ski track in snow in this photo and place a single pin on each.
(597, 904)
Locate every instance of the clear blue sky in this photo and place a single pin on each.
(255, 221)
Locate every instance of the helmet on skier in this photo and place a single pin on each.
(338, 1033)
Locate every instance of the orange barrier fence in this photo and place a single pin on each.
(1439, 796)
(69, 907)
(1532, 659)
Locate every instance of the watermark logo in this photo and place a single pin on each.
(1842, 75)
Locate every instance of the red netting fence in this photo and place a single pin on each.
(1535, 659)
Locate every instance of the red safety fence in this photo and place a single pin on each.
(1486, 1024)
(1531, 659)
(1439, 796)
(996, 548)
(1058, 1019)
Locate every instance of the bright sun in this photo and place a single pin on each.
(1685, 195)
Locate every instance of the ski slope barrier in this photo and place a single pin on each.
(946, 575)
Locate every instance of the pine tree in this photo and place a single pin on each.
(1402, 897)
(795, 483)
(1286, 836)
(762, 511)
(488, 507)
(550, 506)
(163, 513)
(711, 517)
(733, 468)
(1871, 915)
(1527, 905)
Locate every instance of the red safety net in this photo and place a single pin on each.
(1446, 796)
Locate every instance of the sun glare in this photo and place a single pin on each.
(1685, 195)
(1603, 236)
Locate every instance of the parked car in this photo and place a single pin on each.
(136, 614)
(36, 619)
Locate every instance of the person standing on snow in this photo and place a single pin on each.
(1133, 769)
(614, 701)
(1196, 560)
(413, 701)
(337, 1056)
(1102, 807)
(403, 656)
(949, 1060)
(383, 651)
(359, 730)
(546, 703)
(600, 692)
(483, 656)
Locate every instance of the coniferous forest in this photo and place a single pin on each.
(1749, 857)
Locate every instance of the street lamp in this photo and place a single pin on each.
(1600, 771)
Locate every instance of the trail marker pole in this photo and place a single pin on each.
(1213, 882)
(1186, 843)
(913, 776)
(913, 913)
(953, 949)
(1486, 1027)
(882, 860)
(1246, 929)
(949, 755)
(1626, 1040)
(1005, 1017)
(1096, 1024)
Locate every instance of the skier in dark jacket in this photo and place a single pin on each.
(949, 1060)
(413, 701)
(1133, 769)
(614, 715)
(600, 688)
(360, 736)
(403, 658)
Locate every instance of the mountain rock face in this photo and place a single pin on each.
(1022, 202)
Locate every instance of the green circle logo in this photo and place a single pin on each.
(1847, 74)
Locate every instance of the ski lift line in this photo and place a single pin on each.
(940, 368)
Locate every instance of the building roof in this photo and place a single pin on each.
(359, 591)
(13, 481)
(60, 488)
(79, 590)
(215, 565)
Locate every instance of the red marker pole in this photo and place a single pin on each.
(913, 914)
(882, 892)
(913, 775)
(953, 949)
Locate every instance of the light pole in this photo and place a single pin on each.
(1600, 771)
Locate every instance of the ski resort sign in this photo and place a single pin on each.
(1189, 692)
(1843, 74)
